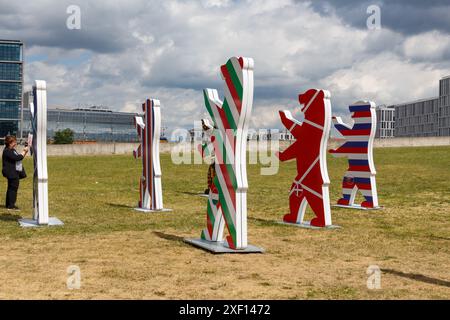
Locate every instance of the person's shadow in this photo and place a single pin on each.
(9, 217)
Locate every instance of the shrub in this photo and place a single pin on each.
(63, 136)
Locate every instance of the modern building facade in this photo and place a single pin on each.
(417, 118)
(385, 122)
(425, 117)
(11, 84)
(444, 106)
(89, 124)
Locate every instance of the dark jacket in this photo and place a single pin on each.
(9, 159)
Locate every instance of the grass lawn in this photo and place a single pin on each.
(126, 254)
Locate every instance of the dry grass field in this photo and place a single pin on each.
(124, 254)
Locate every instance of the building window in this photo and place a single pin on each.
(10, 71)
(10, 91)
(10, 52)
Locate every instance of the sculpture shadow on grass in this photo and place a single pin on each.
(418, 277)
(265, 222)
(169, 237)
(439, 238)
(119, 205)
(192, 193)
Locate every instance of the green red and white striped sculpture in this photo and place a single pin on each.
(149, 131)
(227, 200)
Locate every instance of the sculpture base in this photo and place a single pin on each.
(221, 247)
(307, 225)
(30, 223)
(152, 211)
(355, 206)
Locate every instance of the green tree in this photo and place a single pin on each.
(63, 136)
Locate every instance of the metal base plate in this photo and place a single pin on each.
(203, 195)
(307, 225)
(30, 223)
(152, 211)
(355, 206)
(221, 247)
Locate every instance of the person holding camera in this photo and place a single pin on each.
(13, 170)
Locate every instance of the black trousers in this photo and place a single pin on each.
(11, 193)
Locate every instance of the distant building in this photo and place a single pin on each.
(444, 106)
(89, 124)
(286, 135)
(425, 117)
(264, 135)
(385, 122)
(417, 118)
(11, 83)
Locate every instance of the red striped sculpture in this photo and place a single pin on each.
(148, 129)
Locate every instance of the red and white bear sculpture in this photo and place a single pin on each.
(310, 149)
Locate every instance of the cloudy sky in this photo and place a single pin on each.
(127, 50)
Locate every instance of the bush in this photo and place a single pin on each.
(63, 136)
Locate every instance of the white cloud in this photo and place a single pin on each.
(384, 79)
(216, 3)
(431, 45)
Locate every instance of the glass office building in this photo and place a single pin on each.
(97, 124)
(11, 83)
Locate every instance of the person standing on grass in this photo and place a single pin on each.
(207, 151)
(13, 170)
